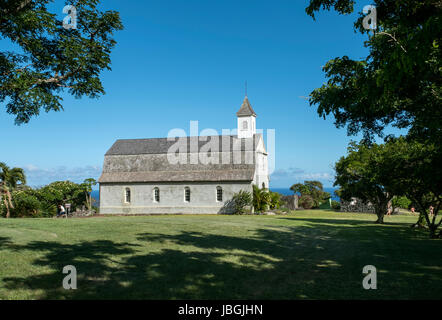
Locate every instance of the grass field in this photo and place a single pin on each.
(306, 255)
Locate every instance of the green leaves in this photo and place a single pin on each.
(399, 167)
(53, 60)
(341, 6)
(311, 192)
(241, 201)
(398, 83)
(10, 178)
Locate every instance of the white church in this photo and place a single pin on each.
(184, 175)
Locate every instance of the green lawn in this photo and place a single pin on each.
(306, 255)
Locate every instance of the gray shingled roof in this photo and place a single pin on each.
(246, 109)
(162, 145)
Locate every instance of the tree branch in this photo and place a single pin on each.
(394, 39)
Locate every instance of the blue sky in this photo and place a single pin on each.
(178, 61)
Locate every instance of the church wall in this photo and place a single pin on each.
(203, 198)
(261, 168)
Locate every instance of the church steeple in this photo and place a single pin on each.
(246, 120)
(246, 109)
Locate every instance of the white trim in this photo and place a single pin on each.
(125, 195)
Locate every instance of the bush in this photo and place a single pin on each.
(241, 201)
(25, 204)
(306, 202)
(261, 199)
(43, 202)
(336, 205)
(401, 202)
(275, 200)
(62, 192)
(314, 190)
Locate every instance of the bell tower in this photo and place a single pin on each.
(246, 120)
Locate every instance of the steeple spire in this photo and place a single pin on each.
(246, 109)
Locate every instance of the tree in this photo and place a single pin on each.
(398, 83)
(412, 169)
(87, 185)
(9, 180)
(261, 199)
(61, 192)
(358, 175)
(313, 189)
(51, 59)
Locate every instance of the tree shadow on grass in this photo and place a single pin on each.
(4, 241)
(322, 259)
(92, 259)
(387, 229)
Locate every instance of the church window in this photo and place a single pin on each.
(244, 125)
(187, 194)
(156, 195)
(127, 195)
(219, 194)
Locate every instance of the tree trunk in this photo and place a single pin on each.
(433, 229)
(380, 219)
(380, 212)
(420, 223)
(8, 213)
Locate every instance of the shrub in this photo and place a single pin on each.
(314, 190)
(306, 202)
(241, 201)
(336, 205)
(261, 199)
(25, 204)
(275, 200)
(401, 202)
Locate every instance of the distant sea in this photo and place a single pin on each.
(284, 191)
(288, 192)
(96, 196)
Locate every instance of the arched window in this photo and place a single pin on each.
(219, 194)
(127, 195)
(187, 194)
(156, 194)
(244, 125)
(263, 185)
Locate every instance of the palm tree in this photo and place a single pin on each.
(9, 179)
(275, 200)
(261, 199)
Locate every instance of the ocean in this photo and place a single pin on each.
(284, 191)
(288, 192)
